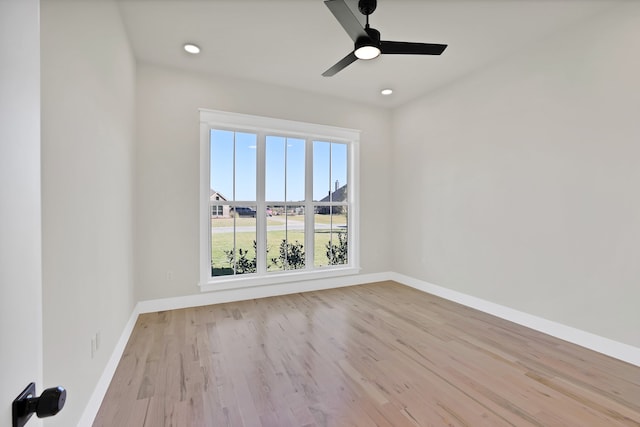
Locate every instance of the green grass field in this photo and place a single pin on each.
(222, 241)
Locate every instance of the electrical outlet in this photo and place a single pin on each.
(169, 275)
(97, 340)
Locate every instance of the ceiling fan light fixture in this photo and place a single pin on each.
(366, 49)
(367, 52)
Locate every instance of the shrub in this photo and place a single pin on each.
(244, 264)
(291, 256)
(337, 253)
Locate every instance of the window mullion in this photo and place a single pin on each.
(309, 209)
(235, 217)
(286, 206)
(261, 207)
(331, 195)
(353, 215)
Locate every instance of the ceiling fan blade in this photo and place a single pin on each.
(347, 60)
(346, 18)
(408, 48)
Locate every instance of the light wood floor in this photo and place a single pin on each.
(371, 355)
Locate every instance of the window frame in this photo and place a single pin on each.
(262, 127)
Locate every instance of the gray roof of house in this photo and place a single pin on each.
(340, 195)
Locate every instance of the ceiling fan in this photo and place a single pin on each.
(367, 40)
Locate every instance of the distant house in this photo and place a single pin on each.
(218, 210)
(338, 195)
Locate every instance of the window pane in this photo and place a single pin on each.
(285, 169)
(245, 230)
(276, 232)
(245, 166)
(285, 238)
(339, 172)
(330, 236)
(321, 170)
(338, 248)
(295, 170)
(221, 245)
(275, 168)
(221, 176)
(233, 238)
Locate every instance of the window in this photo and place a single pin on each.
(278, 200)
(217, 211)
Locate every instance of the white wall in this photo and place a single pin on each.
(523, 180)
(20, 241)
(88, 111)
(168, 177)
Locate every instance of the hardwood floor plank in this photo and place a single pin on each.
(380, 354)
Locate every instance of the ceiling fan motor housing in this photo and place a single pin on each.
(372, 40)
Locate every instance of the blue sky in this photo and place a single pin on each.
(284, 175)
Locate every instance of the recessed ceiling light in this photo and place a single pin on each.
(192, 48)
(386, 92)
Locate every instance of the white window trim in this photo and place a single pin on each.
(220, 120)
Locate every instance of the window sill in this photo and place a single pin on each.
(245, 281)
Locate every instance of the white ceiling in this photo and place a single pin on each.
(291, 42)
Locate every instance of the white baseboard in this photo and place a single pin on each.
(615, 349)
(91, 410)
(588, 340)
